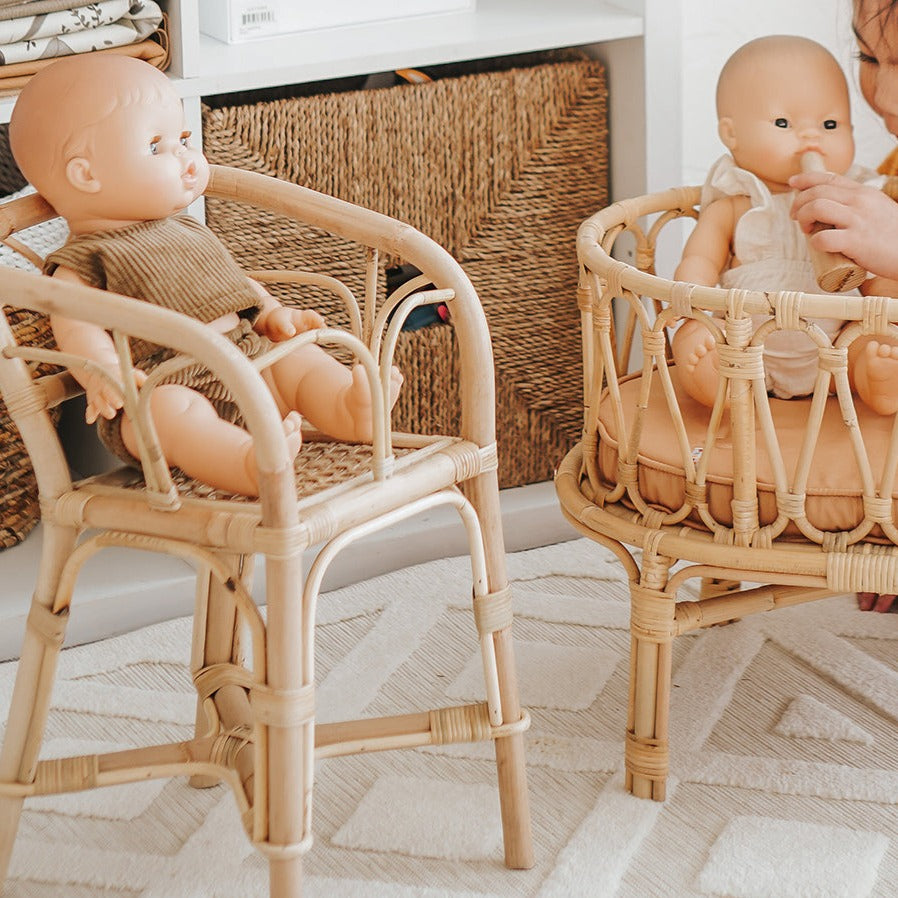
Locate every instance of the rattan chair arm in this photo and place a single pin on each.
(164, 327)
(24, 212)
(397, 239)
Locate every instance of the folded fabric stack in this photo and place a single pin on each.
(34, 32)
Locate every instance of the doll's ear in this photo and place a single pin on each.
(727, 132)
(79, 175)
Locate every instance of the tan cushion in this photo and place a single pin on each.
(834, 485)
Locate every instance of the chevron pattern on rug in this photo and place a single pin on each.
(757, 808)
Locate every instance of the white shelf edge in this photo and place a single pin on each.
(496, 28)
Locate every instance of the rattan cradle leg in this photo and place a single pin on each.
(652, 629)
(514, 799)
(30, 704)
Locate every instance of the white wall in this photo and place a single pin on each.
(712, 29)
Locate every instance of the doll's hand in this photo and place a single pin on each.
(862, 221)
(103, 399)
(283, 323)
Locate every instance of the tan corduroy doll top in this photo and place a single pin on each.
(174, 262)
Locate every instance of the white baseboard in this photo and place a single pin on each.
(121, 590)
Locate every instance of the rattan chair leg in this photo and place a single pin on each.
(10, 814)
(285, 877)
(44, 634)
(514, 800)
(284, 755)
(215, 641)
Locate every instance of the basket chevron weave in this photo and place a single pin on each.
(498, 165)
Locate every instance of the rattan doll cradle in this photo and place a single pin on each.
(797, 495)
(255, 681)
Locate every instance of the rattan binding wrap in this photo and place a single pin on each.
(497, 166)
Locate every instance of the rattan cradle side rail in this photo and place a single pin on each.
(624, 490)
(596, 236)
(742, 403)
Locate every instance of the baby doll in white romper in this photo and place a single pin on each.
(777, 98)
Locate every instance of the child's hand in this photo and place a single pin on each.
(103, 399)
(862, 221)
(283, 323)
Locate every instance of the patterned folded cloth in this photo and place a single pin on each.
(16, 9)
(153, 50)
(96, 26)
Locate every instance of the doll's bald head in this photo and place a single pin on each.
(779, 97)
(56, 113)
(779, 56)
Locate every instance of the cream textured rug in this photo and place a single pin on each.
(784, 756)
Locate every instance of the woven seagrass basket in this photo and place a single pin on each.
(11, 179)
(19, 507)
(499, 165)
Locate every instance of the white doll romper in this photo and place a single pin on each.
(773, 253)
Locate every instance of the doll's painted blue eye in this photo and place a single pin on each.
(781, 122)
(830, 124)
(185, 138)
(154, 145)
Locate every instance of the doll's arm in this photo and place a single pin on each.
(709, 246)
(91, 342)
(279, 322)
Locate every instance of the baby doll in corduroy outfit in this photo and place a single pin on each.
(102, 138)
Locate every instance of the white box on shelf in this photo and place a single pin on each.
(234, 21)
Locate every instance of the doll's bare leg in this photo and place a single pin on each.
(874, 372)
(358, 397)
(203, 445)
(333, 398)
(695, 355)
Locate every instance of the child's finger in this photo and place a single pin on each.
(808, 179)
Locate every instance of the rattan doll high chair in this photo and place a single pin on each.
(255, 679)
(796, 495)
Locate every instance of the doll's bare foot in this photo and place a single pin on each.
(876, 376)
(695, 354)
(358, 401)
(292, 425)
(871, 601)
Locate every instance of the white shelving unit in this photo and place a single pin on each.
(639, 42)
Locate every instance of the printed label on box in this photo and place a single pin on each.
(256, 18)
(233, 21)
